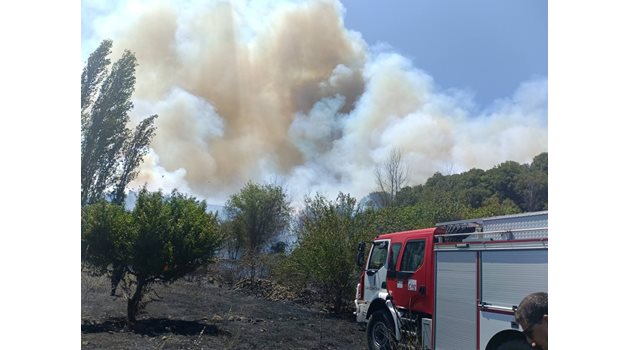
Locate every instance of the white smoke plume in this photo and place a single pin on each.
(282, 91)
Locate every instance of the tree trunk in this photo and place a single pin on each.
(338, 303)
(252, 268)
(134, 303)
(252, 272)
(118, 272)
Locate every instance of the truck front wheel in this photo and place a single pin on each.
(380, 331)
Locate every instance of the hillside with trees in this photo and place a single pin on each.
(508, 188)
(516, 187)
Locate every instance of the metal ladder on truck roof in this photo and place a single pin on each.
(532, 225)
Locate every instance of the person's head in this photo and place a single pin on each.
(532, 316)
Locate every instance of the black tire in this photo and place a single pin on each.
(380, 331)
(514, 344)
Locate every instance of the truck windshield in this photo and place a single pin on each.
(379, 255)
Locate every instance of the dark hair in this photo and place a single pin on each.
(531, 309)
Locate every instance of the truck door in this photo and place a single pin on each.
(392, 267)
(375, 274)
(411, 285)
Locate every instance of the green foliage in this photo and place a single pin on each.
(493, 206)
(175, 235)
(92, 76)
(409, 195)
(134, 148)
(258, 213)
(109, 150)
(161, 240)
(328, 234)
(540, 163)
(420, 215)
(523, 185)
(108, 234)
(470, 188)
(532, 187)
(503, 178)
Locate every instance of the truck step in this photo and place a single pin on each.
(408, 321)
(408, 333)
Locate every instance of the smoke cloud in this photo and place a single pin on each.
(282, 91)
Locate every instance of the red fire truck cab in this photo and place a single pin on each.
(453, 286)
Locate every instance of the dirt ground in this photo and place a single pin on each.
(201, 313)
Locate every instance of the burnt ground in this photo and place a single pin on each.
(200, 313)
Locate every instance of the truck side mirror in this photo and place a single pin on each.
(360, 254)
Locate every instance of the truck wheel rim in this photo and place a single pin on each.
(380, 335)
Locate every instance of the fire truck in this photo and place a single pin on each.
(454, 286)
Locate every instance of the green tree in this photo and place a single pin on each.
(409, 195)
(161, 240)
(470, 188)
(257, 213)
(532, 185)
(107, 235)
(420, 215)
(502, 179)
(328, 234)
(134, 149)
(109, 150)
(93, 74)
(494, 206)
(540, 162)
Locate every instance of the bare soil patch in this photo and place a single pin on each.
(201, 313)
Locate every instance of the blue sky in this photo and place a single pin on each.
(487, 47)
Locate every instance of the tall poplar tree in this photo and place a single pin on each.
(110, 151)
